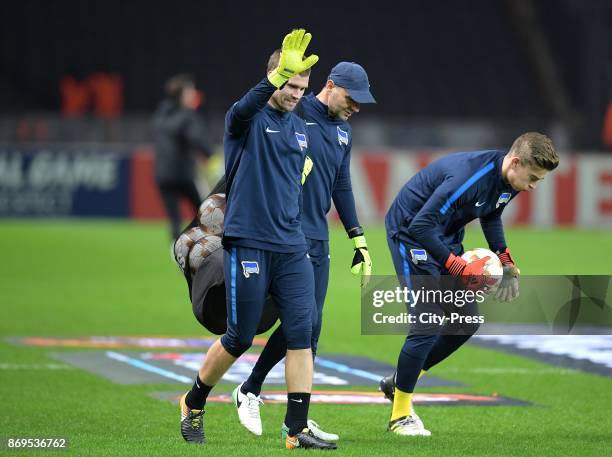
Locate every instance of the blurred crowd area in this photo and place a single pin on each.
(82, 82)
(445, 74)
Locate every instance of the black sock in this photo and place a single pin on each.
(196, 397)
(273, 352)
(297, 412)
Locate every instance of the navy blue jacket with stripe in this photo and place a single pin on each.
(434, 206)
(330, 141)
(264, 154)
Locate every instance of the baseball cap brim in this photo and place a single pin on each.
(361, 96)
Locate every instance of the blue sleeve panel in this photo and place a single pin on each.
(434, 206)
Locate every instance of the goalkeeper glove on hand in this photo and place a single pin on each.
(308, 164)
(472, 273)
(508, 289)
(362, 263)
(292, 60)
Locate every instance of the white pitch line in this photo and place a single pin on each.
(148, 367)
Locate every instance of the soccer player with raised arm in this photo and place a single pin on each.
(425, 228)
(265, 249)
(327, 176)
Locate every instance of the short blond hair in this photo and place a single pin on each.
(275, 58)
(535, 149)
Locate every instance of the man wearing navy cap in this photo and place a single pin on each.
(353, 78)
(327, 170)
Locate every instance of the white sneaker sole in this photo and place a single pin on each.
(415, 433)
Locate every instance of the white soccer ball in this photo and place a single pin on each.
(211, 214)
(493, 268)
(184, 243)
(202, 249)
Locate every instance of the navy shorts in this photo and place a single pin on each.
(416, 270)
(250, 275)
(409, 259)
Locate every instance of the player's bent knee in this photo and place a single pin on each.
(298, 335)
(299, 341)
(236, 346)
(418, 346)
(299, 347)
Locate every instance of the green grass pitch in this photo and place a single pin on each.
(79, 278)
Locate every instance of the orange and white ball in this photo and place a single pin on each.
(493, 268)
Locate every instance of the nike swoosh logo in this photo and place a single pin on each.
(268, 130)
(479, 204)
(297, 401)
(311, 123)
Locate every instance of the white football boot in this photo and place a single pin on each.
(248, 410)
(418, 420)
(316, 431)
(408, 426)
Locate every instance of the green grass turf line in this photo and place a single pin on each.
(69, 278)
(99, 416)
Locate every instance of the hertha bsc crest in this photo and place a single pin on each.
(249, 267)
(301, 139)
(503, 198)
(342, 137)
(418, 255)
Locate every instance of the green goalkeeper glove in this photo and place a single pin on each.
(292, 60)
(308, 164)
(362, 263)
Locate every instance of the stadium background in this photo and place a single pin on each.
(447, 77)
(84, 244)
